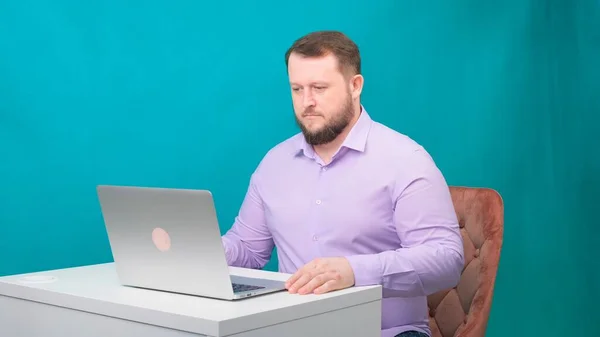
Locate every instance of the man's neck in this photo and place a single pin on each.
(326, 151)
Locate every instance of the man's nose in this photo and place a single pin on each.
(308, 99)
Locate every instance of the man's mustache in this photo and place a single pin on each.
(310, 112)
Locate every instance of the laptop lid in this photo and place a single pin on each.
(166, 239)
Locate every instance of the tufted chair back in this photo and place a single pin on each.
(464, 310)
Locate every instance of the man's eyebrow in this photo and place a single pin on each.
(311, 83)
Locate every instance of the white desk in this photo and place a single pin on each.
(89, 301)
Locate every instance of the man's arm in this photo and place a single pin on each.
(431, 258)
(249, 243)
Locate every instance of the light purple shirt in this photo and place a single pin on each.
(382, 203)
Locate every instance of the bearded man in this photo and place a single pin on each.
(348, 201)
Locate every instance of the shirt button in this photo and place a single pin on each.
(318, 202)
(315, 238)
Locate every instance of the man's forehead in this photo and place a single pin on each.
(313, 69)
(326, 61)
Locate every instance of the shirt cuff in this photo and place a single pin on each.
(367, 269)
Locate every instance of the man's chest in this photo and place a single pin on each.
(338, 209)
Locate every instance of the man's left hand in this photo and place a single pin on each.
(322, 275)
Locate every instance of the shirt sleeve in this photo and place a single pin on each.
(249, 244)
(431, 256)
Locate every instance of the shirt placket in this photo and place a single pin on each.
(318, 218)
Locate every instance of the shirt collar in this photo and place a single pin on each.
(356, 139)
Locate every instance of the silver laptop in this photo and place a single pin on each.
(169, 240)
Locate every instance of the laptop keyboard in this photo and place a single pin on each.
(238, 288)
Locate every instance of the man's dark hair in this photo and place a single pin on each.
(322, 43)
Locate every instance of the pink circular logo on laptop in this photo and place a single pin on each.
(161, 239)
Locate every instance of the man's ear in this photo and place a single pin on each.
(356, 85)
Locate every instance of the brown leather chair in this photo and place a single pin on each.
(464, 310)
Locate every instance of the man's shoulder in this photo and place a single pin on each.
(405, 159)
(285, 148)
(282, 151)
(392, 142)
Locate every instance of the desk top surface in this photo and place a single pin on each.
(96, 288)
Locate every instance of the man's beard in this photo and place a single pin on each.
(331, 129)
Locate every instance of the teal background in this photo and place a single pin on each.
(192, 94)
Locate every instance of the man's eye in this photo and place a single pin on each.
(319, 88)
